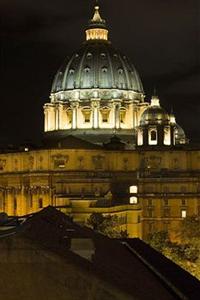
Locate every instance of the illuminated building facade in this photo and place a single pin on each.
(106, 149)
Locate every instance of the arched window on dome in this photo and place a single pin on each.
(86, 77)
(121, 82)
(89, 55)
(103, 55)
(153, 139)
(70, 79)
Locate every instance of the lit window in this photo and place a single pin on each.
(183, 213)
(133, 200)
(87, 118)
(86, 113)
(133, 189)
(105, 114)
(152, 137)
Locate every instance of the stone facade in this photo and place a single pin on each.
(80, 182)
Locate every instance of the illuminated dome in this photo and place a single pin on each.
(97, 93)
(97, 64)
(154, 114)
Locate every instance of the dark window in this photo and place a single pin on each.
(166, 213)
(183, 202)
(153, 135)
(15, 203)
(40, 203)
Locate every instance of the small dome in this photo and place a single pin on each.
(180, 137)
(154, 114)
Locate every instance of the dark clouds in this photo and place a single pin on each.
(161, 38)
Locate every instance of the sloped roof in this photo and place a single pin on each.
(117, 263)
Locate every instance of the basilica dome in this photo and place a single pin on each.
(97, 64)
(97, 93)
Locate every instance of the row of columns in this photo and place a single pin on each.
(55, 115)
(23, 203)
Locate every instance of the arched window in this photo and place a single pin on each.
(153, 137)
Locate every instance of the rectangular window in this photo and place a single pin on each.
(40, 203)
(105, 115)
(183, 213)
(133, 189)
(183, 202)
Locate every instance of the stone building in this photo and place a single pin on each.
(105, 149)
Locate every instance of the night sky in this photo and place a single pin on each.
(162, 38)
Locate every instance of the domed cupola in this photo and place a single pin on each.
(155, 128)
(96, 92)
(179, 134)
(96, 66)
(154, 114)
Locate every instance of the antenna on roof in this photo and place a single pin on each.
(154, 91)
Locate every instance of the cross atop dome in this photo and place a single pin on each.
(96, 17)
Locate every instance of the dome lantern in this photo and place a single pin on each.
(97, 29)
